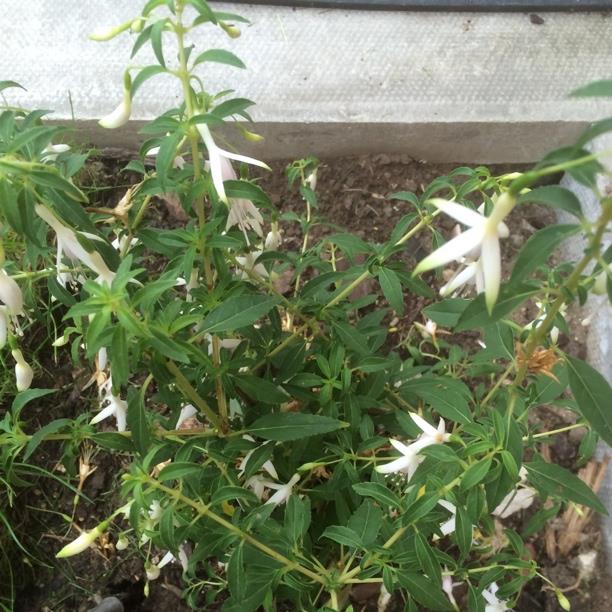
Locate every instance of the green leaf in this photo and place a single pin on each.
(427, 559)
(351, 338)
(593, 396)
(594, 89)
(24, 397)
(538, 248)
(594, 130)
(261, 389)
(424, 590)
(446, 395)
(166, 528)
(447, 312)
(556, 197)
(113, 440)
(156, 40)
(8, 84)
(119, 357)
(379, 492)
(48, 178)
(555, 480)
(237, 312)
(392, 289)
(343, 535)
(178, 470)
(137, 422)
(297, 517)
(39, 436)
(144, 75)
(463, 531)
(220, 56)
(476, 314)
(235, 106)
(288, 426)
(366, 522)
(475, 473)
(232, 493)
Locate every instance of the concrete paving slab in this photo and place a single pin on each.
(471, 87)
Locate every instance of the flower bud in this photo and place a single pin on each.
(563, 600)
(103, 34)
(311, 180)
(137, 25)
(120, 116)
(122, 543)
(273, 239)
(10, 294)
(599, 288)
(83, 542)
(231, 30)
(23, 372)
(152, 572)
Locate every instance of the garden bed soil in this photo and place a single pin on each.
(354, 194)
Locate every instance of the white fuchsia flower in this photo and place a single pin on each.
(247, 264)
(116, 407)
(493, 603)
(83, 542)
(274, 238)
(122, 542)
(10, 294)
(68, 244)
(283, 491)
(484, 233)
(257, 483)
(268, 466)
(448, 526)
(516, 500)
(448, 585)
(4, 326)
(218, 157)
(121, 115)
(23, 371)
(409, 461)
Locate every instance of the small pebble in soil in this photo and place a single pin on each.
(108, 604)
(536, 19)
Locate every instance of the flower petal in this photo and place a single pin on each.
(463, 214)
(423, 425)
(452, 250)
(244, 159)
(399, 465)
(491, 268)
(400, 446)
(459, 279)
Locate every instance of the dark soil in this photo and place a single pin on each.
(354, 195)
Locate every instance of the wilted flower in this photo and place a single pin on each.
(23, 371)
(68, 244)
(448, 585)
(493, 603)
(409, 461)
(283, 491)
(484, 234)
(247, 263)
(83, 542)
(257, 483)
(218, 156)
(516, 500)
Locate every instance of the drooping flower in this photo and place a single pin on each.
(116, 407)
(68, 244)
(4, 326)
(83, 542)
(493, 603)
(247, 264)
(257, 484)
(10, 294)
(516, 500)
(121, 115)
(484, 233)
(218, 157)
(51, 152)
(409, 461)
(283, 491)
(23, 371)
(122, 542)
(274, 238)
(187, 412)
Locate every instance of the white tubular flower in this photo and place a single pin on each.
(283, 491)
(384, 599)
(268, 466)
(116, 407)
(516, 500)
(245, 215)
(10, 294)
(493, 603)
(4, 326)
(409, 461)
(470, 273)
(23, 372)
(273, 239)
(83, 542)
(121, 115)
(218, 156)
(104, 33)
(68, 244)
(247, 264)
(51, 152)
(187, 411)
(122, 543)
(152, 572)
(484, 233)
(155, 511)
(448, 585)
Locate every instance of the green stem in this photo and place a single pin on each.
(204, 510)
